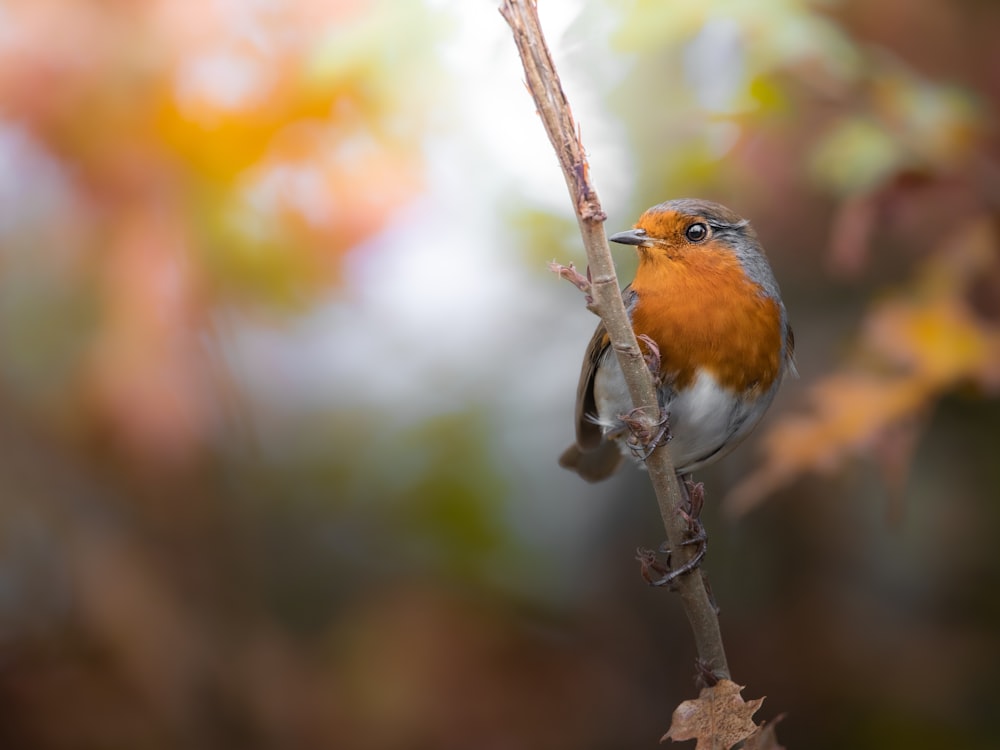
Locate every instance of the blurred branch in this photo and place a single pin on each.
(605, 299)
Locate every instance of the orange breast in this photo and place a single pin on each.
(703, 313)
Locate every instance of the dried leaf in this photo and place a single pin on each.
(718, 718)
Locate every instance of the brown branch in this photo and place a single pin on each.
(553, 108)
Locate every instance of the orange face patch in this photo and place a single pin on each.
(665, 225)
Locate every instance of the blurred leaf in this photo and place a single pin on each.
(186, 164)
(940, 123)
(767, 95)
(905, 123)
(916, 346)
(856, 155)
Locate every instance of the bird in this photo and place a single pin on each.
(708, 313)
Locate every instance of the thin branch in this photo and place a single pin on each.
(605, 299)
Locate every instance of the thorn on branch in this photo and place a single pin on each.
(704, 676)
(711, 595)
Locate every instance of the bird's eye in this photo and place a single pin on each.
(696, 232)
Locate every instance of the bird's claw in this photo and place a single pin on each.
(644, 438)
(649, 561)
(652, 357)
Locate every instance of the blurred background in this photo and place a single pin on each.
(284, 378)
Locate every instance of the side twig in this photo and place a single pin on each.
(605, 299)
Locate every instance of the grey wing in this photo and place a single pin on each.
(588, 433)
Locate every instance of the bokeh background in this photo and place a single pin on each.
(283, 375)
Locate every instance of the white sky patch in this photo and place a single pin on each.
(715, 69)
(225, 81)
(431, 308)
(300, 187)
(715, 64)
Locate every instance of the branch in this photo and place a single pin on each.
(553, 108)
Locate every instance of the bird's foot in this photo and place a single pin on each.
(665, 574)
(645, 437)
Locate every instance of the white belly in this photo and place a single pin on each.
(706, 421)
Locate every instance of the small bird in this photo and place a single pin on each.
(707, 310)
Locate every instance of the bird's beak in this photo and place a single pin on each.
(632, 237)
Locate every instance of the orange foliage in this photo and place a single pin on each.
(920, 343)
(225, 148)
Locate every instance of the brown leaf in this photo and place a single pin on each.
(718, 718)
(765, 738)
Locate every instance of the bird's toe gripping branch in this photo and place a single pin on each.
(650, 561)
(645, 437)
(657, 573)
(652, 357)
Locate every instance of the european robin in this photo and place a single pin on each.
(709, 314)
